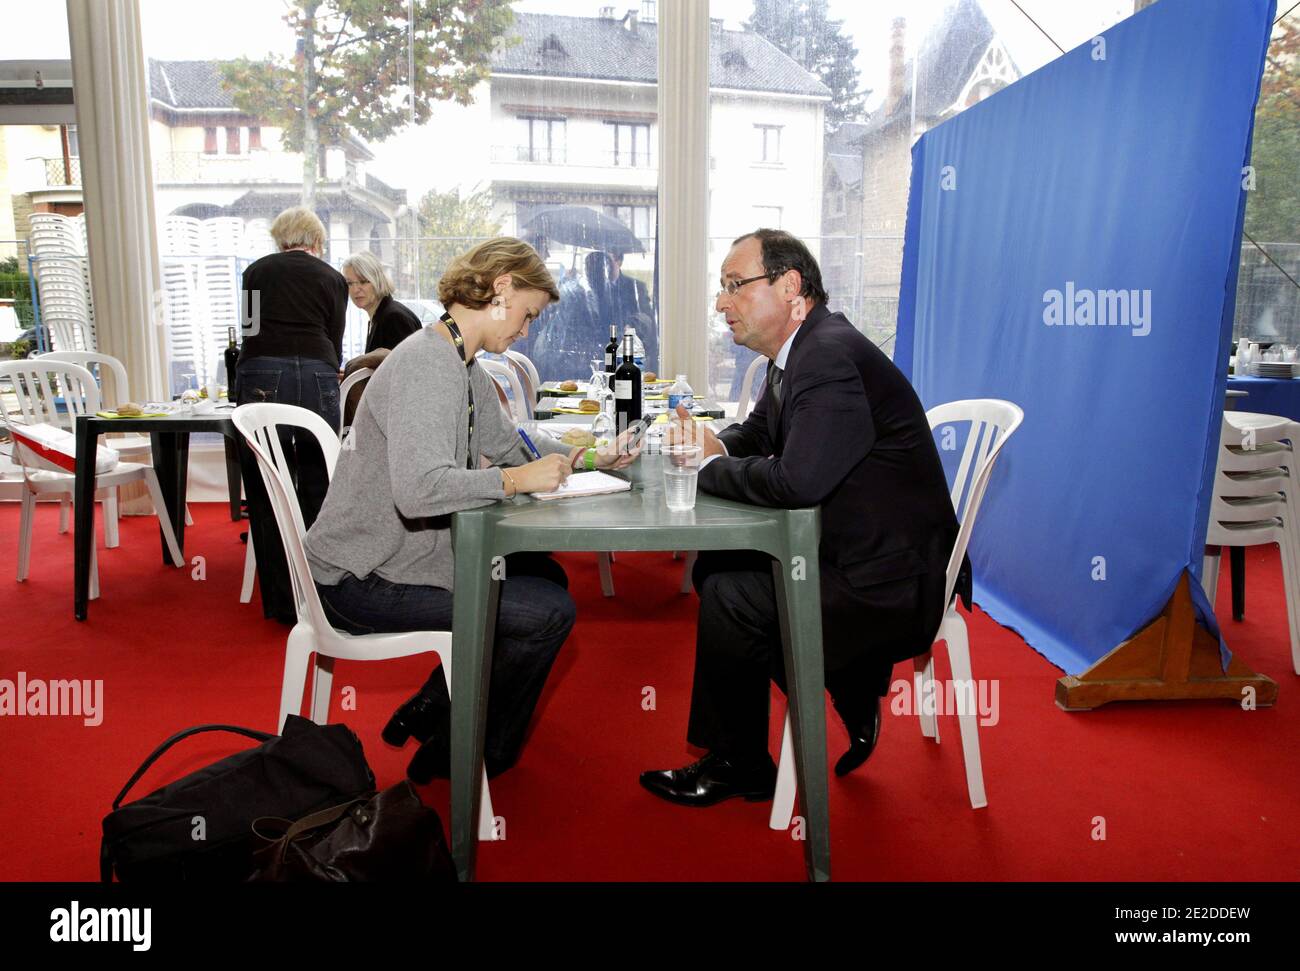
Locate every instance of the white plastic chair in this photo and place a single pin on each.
(36, 384)
(1256, 502)
(744, 405)
(133, 448)
(523, 361)
(350, 382)
(521, 409)
(992, 422)
(313, 634)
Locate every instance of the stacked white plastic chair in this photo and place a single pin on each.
(58, 245)
(1256, 502)
(313, 634)
(992, 423)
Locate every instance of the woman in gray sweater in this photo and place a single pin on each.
(430, 438)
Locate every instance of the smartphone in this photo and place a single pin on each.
(636, 433)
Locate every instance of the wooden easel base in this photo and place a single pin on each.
(1172, 658)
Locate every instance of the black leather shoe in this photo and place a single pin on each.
(863, 735)
(432, 761)
(711, 780)
(419, 717)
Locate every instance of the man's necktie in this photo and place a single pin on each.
(774, 376)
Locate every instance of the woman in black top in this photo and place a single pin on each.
(371, 290)
(295, 306)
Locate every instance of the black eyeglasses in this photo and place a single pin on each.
(732, 286)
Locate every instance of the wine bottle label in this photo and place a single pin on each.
(623, 390)
(609, 360)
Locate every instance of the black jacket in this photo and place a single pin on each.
(391, 323)
(851, 436)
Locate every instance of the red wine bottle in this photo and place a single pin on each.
(627, 390)
(611, 350)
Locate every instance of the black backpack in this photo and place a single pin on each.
(200, 827)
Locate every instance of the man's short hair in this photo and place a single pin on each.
(783, 251)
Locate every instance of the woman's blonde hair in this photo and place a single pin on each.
(366, 265)
(298, 226)
(468, 281)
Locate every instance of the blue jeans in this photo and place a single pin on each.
(535, 616)
(309, 384)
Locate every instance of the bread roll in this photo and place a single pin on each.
(129, 409)
(578, 436)
(589, 407)
(568, 385)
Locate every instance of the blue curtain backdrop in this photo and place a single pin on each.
(1072, 246)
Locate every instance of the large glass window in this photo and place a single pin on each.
(476, 119)
(815, 108)
(1268, 295)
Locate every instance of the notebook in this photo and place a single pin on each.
(586, 484)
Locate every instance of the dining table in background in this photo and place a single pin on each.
(169, 437)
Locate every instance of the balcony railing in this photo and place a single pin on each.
(525, 154)
(60, 172)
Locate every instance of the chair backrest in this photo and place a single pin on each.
(350, 382)
(992, 422)
(526, 380)
(520, 411)
(523, 361)
(260, 424)
(747, 387)
(39, 385)
(121, 386)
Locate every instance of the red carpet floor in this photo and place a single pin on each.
(1184, 791)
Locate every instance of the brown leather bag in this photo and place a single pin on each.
(392, 837)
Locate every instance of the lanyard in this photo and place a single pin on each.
(460, 349)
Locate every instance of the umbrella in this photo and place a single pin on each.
(582, 226)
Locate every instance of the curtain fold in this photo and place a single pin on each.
(683, 250)
(109, 86)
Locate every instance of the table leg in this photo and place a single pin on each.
(798, 585)
(84, 515)
(232, 476)
(473, 630)
(1237, 567)
(171, 464)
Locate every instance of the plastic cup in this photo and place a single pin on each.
(681, 475)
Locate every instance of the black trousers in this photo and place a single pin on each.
(309, 384)
(534, 618)
(738, 651)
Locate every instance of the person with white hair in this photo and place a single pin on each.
(294, 310)
(371, 290)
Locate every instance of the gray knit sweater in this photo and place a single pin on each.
(403, 470)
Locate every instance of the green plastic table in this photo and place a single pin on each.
(636, 521)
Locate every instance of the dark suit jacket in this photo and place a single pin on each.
(851, 436)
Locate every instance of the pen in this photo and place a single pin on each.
(528, 444)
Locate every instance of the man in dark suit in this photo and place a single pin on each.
(840, 427)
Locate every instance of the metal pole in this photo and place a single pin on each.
(36, 303)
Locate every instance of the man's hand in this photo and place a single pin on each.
(617, 454)
(685, 430)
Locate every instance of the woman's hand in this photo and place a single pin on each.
(544, 475)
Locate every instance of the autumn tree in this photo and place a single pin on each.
(1273, 209)
(449, 225)
(350, 72)
(803, 30)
